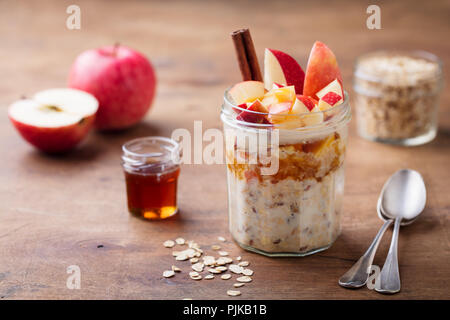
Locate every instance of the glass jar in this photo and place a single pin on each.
(397, 96)
(151, 167)
(285, 181)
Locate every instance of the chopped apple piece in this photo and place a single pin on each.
(278, 111)
(303, 104)
(277, 86)
(281, 68)
(329, 100)
(247, 91)
(285, 94)
(321, 70)
(252, 115)
(334, 86)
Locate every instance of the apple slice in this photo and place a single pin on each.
(321, 70)
(278, 112)
(334, 86)
(251, 115)
(277, 86)
(303, 104)
(247, 91)
(329, 100)
(54, 120)
(281, 68)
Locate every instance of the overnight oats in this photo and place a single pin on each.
(397, 96)
(292, 204)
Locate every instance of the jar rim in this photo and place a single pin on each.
(335, 116)
(416, 54)
(169, 151)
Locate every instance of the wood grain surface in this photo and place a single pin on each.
(71, 210)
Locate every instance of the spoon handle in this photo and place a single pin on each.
(390, 275)
(358, 274)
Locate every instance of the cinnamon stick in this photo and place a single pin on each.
(246, 54)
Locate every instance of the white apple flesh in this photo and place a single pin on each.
(54, 120)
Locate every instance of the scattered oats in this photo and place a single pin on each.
(168, 244)
(214, 271)
(244, 279)
(209, 260)
(233, 293)
(238, 284)
(198, 267)
(195, 275)
(175, 253)
(176, 269)
(247, 272)
(180, 241)
(190, 252)
(215, 247)
(244, 263)
(223, 253)
(239, 258)
(225, 276)
(198, 250)
(235, 268)
(168, 273)
(181, 257)
(223, 260)
(197, 254)
(209, 277)
(193, 260)
(221, 239)
(192, 244)
(221, 268)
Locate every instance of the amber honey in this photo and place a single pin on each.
(151, 177)
(152, 196)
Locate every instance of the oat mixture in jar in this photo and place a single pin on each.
(297, 210)
(397, 96)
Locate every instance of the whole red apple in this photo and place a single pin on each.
(122, 80)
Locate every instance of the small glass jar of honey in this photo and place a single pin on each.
(152, 167)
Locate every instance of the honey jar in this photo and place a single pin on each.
(152, 167)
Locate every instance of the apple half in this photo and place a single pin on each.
(54, 120)
(281, 69)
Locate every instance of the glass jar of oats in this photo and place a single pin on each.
(292, 204)
(397, 96)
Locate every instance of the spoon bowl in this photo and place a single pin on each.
(403, 195)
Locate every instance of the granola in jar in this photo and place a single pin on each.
(397, 96)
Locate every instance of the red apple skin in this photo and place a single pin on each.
(122, 80)
(331, 98)
(309, 102)
(294, 74)
(55, 140)
(321, 70)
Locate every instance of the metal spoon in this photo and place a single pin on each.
(403, 198)
(358, 274)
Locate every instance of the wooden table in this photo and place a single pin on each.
(71, 210)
